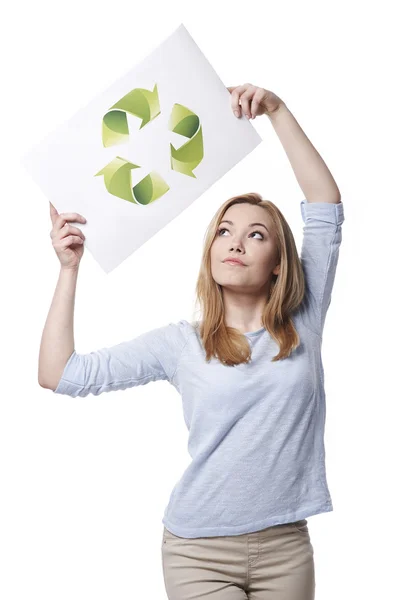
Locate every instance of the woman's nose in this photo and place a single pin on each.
(237, 245)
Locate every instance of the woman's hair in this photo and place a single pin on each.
(285, 292)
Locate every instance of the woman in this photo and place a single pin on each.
(250, 375)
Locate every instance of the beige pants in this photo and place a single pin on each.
(276, 563)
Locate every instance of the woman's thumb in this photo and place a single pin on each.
(53, 212)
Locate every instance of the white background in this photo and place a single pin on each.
(84, 481)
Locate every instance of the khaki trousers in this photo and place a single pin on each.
(276, 563)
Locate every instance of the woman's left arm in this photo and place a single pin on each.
(311, 172)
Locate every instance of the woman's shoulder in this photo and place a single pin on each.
(188, 325)
(183, 327)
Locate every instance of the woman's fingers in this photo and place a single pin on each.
(70, 229)
(240, 99)
(71, 239)
(65, 231)
(61, 226)
(245, 99)
(255, 101)
(64, 217)
(53, 213)
(68, 241)
(235, 96)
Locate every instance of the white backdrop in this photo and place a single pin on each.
(84, 482)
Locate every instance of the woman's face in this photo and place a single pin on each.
(253, 244)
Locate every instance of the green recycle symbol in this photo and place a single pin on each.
(145, 104)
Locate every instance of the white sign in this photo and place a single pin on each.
(140, 153)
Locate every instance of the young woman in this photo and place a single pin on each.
(250, 375)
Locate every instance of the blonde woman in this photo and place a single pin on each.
(250, 375)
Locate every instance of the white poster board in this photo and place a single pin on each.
(141, 152)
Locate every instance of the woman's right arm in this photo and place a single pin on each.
(151, 356)
(57, 342)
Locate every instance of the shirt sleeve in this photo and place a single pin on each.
(322, 236)
(151, 356)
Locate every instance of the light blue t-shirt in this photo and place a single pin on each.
(256, 430)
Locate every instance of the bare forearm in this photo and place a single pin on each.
(311, 172)
(57, 342)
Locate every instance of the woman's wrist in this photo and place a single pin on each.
(282, 108)
(69, 270)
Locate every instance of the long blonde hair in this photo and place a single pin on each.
(285, 293)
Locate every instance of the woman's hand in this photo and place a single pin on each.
(68, 241)
(253, 100)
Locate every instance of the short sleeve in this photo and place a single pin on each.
(322, 237)
(151, 356)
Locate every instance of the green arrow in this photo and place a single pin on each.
(118, 181)
(187, 123)
(139, 102)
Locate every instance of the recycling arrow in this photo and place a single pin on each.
(118, 181)
(139, 102)
(189, 155)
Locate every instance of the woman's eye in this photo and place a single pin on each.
(224, 229)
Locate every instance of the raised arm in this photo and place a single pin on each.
(322, 237)
(310, 170)
(57, 342)
(151, 356)
(148, 357)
